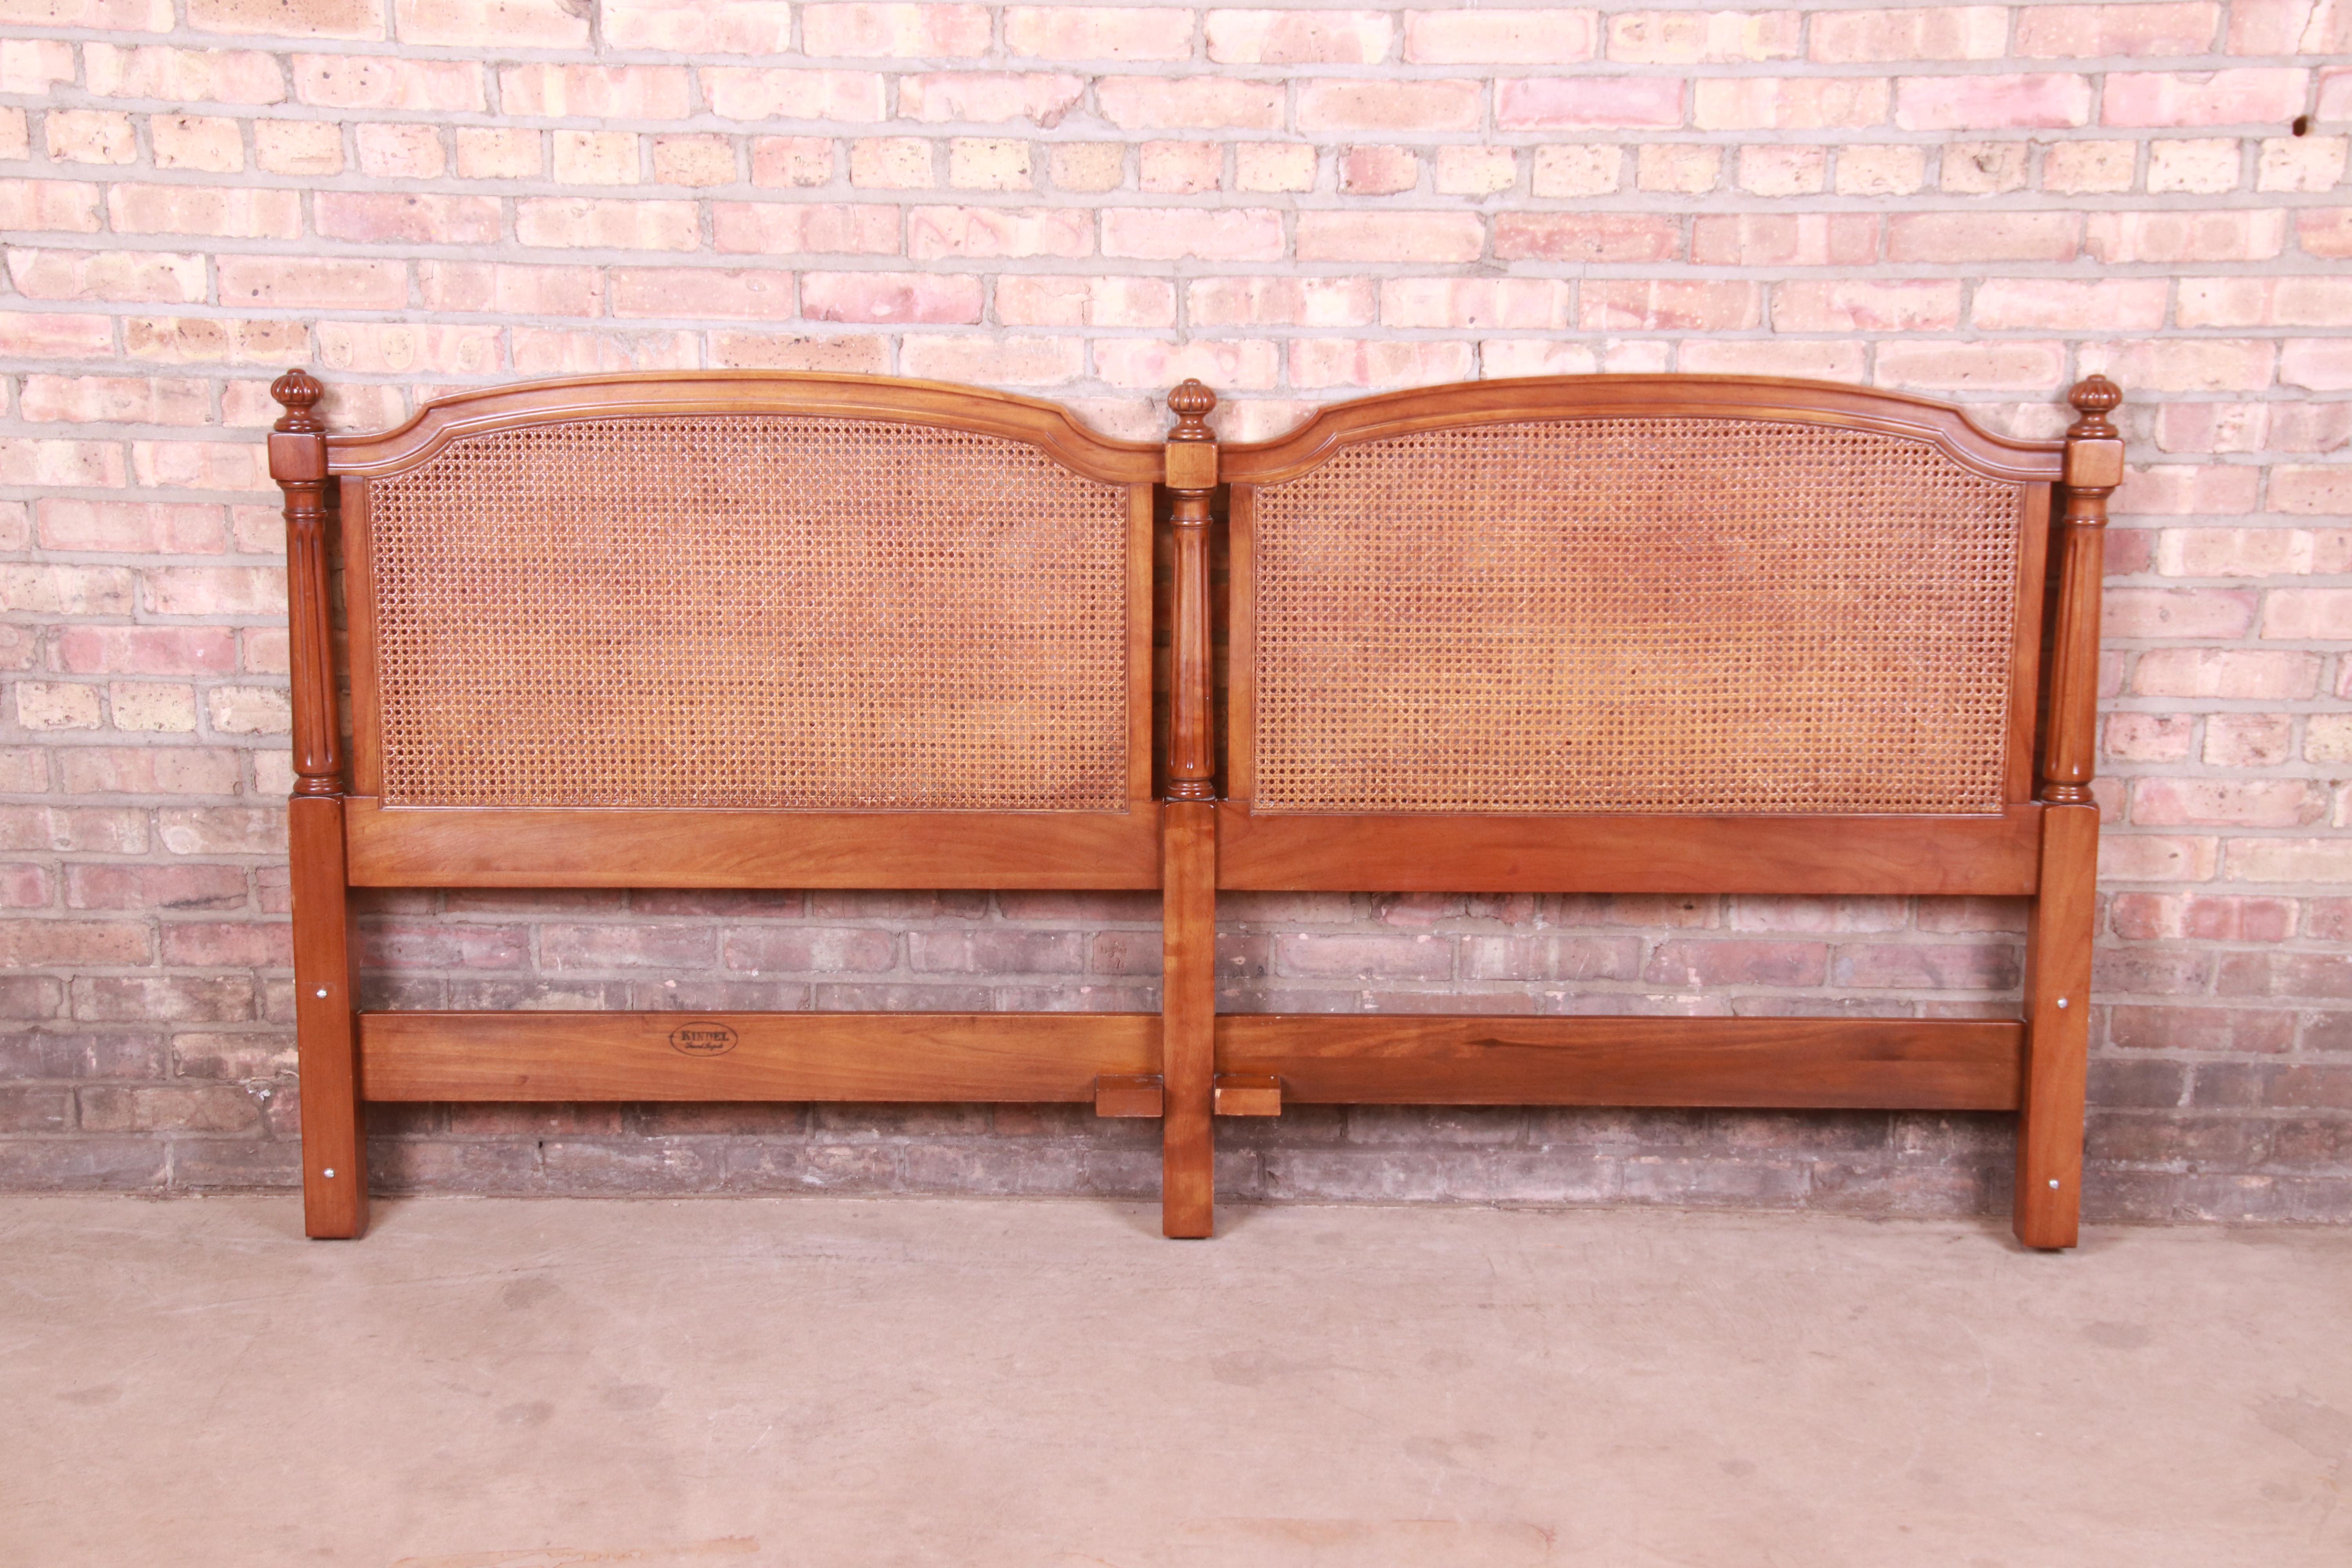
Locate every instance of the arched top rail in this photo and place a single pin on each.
(800, 394)
(1339, 425)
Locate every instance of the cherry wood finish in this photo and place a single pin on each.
(453, 847)
(1129, 1095)
(2048, 1196)
(334, 1137)
(1248, 1094)
(1188, 1007)
(338, 842)
(1342, 425)
(2041, 845)
(1880, 1063)
(1007, 1057)
(1601, 853)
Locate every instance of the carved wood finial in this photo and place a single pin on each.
(2094, 397)
(299, 391)
(1192, 403)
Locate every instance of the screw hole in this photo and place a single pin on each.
(2301, 126)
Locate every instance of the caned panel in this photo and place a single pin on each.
(1635, 615)
(750, 610)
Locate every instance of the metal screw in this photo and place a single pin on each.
(2062, 1000)
(330, 1174)
(323, 995)
(2054, 1181)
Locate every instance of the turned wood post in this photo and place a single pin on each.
(1188, 1015)
(1191, 471)
(2095, 466)
(326, 1033)
(298, 461)
(2063, 920)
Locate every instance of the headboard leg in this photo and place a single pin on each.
(1188, 1017)
(2057, 1028)
(334, 1144)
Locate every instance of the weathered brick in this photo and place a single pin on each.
(378, 81)
(1146, 103)
(1546, 37)
(858, 31)
(1225, 233)
(1553, 103)
(1040, 98)
(1704, 38)
(1566, 237)
(936, 232)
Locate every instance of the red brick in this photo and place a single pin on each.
(150, 887)
(1570, 236)
(868, 31)
(1766, 356)
(2081, 32)
(68, 207)
(1040, 301)
(1911, 33)
(2226, 672)
(1546, 103)
(381, 216)
(1319, 363)
(608, 224)
(501, 23)
(119, 399)
(1992, 103)
(775, 227)
(1712, 963)
(286, 281)
(290, 18)
(890, 297)
(937, 232)
(2227, 803)
(1094, 32)
(993, 362)
(1812, 239)
(758, 295)
(1280, 301)
(1789, 103)
(2011, 304)
(1150, 103)
(1499, 37)
(1551, 958)
(1918, 305)
(1697, 37)
(2323, 231)
(2167, 101)
(1154, 365)
(2319, 365)
(2195, 364)
(601, 92)
(1956, 239)
(71, 463)
(2307, 615)
(1622, 305)
(2244, 235)
(29, 334)
(1300, 38)
(146, 650)
(2311, 491)
(1222, 234)
(378, 81)
(2248, 739)
(1981, 366)
(183, 76)
(124, 275)
(1424, 238)
(1042, 98)
(70, 943)
(1538, 304)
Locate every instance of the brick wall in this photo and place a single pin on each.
(1981, 203)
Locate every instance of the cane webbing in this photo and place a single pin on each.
(1635, 615)
(750, 610)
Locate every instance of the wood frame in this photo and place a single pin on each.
(344, 835)
(2040, 846)
(1188, 1066)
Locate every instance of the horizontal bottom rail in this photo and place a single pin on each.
(1886, 1064)
(1318, 1059)
(1006, 1057)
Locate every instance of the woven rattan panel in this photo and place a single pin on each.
(1635, 615)
(752, 611)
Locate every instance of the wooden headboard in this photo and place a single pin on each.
(1618, 634)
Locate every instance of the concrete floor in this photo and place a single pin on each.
(820, 1382)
